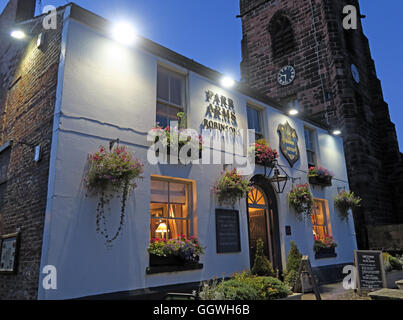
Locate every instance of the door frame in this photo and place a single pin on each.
(274, 232)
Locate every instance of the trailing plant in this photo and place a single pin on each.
(326, 243)
(300, 198)
(111, 172)
(187, 249)
(262, 265)
(345, 201)
(264, 155)
(231, 187)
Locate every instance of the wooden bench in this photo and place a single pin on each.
(387, 294)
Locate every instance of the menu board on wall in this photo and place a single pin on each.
(370, 270)
(227, 231)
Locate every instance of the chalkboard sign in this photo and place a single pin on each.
(370, 270)
(227, 231)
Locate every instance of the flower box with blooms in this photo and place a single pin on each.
(320, 176)
(110, 172)
(179, 251)
(324, 247)
(264, 155)
(345, 201)
(176, 138)
(231, 187)
(300, 197)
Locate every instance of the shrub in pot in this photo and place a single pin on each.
(262, 265)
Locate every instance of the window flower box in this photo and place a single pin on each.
(320, 177)
(325, 248)
(264, 155)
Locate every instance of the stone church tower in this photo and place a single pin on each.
(336, 83)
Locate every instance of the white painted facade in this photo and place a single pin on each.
(108, 91)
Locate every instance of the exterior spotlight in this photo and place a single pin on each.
(337, 132)
(227, 82)
(18, 34)
(293, 112)
(124, 33)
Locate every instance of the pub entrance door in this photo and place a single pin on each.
(263, 223)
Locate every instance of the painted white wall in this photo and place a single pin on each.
(108, 92)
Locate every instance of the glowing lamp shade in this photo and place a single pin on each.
(18, 34)
(124, 33)
(162, 228)
(227, 82)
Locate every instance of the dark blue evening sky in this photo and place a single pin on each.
(208, 32)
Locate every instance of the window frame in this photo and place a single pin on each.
(260, 119)
(313, 145)
(184, 88)
(326, 216)
(190, 215)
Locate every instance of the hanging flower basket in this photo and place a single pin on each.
(345, 201)
(264, 155)
(110, 173)
(169, 138)
(300, 198)
(231, 187)
(320, 176)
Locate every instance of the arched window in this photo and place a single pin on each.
(282, 36)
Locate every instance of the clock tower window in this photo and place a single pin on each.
(282, 36)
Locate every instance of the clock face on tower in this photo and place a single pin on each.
(286, 75)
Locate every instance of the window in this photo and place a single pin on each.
(170, 208)
(320, 219)
(282, 36)
(255, 122)
(310, 146)
(170, 96)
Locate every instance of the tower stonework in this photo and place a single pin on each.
(336, 83)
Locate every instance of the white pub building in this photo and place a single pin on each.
(112, 94)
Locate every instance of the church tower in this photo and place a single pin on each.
(298, 52)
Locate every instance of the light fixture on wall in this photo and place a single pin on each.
(279, 179)
(336, 132)
(36, 148)
(124, 33)
(227, 82)
(18, 34)
(293, 112)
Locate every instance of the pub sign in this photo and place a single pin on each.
(289, 143)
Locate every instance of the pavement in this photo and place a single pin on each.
(335, 291)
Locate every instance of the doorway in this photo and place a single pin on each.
(263, 221)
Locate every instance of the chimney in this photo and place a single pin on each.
(25, 10)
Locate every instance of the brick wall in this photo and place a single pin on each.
(27, 115)
(370, 141)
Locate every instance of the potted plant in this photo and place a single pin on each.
(111, 172)
(324, 247)
(264, 155)
(344, 201)
(178, 251)
(320, 176)
(393, 269)
(300, 198)
(231, 187)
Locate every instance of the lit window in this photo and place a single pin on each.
(170, 96)
(170, 209)
(255, 122)
(310, 146)
(320, 219)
